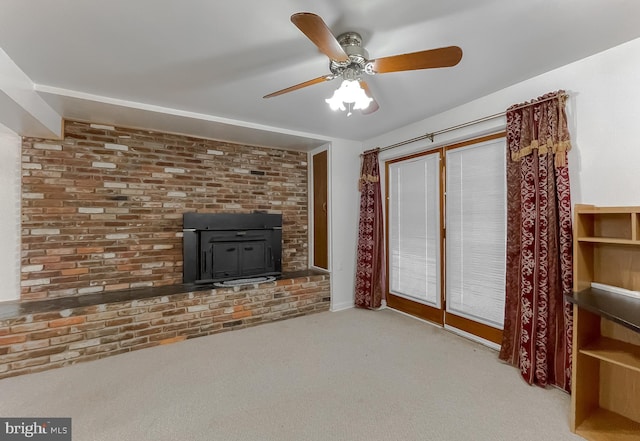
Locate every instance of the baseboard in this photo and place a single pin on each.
(341, 306)
(457, 331)
(414, 317)
(475, 338)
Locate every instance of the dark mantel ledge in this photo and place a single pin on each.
(618, 308)
(16, 308)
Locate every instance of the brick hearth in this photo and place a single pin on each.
(46, 334)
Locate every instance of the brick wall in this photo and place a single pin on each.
(102, 209)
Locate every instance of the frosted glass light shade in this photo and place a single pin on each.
(349, 92)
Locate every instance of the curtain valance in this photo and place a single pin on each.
(542, 127)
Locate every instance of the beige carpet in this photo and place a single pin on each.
(350, 375)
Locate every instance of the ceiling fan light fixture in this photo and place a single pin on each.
(350, 92)
(349, 60)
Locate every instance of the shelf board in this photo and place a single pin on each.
(611, 240)
(603, 425)
(606, 210)
(615, 352)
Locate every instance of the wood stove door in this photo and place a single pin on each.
(236, 254)
(253, 260)
(237, 259)
(225, 259)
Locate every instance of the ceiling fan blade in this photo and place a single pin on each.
(429, 59)
(301, 85)
(318, 32)
(373, 105)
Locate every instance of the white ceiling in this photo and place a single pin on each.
(201, 67)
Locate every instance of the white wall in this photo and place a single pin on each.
(10, 159)
(603, 111)
(344, 166)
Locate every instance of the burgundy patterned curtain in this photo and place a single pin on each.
(370, 269)
(538, 320)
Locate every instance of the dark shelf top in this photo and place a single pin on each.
(618, 308)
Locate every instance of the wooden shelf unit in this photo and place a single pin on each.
(614, 351)
(605, 400)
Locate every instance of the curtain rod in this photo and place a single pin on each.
(431, 135)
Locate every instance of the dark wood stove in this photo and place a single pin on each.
(227, 246)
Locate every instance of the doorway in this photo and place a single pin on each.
(320, 214)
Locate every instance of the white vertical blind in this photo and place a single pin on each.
(414, 229)
(476, 231)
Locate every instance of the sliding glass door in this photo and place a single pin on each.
(476, 237)
(446, 223)
(414, 236)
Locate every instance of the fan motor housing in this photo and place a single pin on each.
(351, 43)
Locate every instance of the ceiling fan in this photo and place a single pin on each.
(349, 60)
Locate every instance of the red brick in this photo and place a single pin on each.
(66, 322)
(116, 287)
(29, 362)
(119, 321)
(74, 271)
(10, 339)
(148, 331)
(63, 339)
(41, 335)
(90, 250)
(30, 345)
(134, 342)
(28, 327)
(176, 339)
(241, 314)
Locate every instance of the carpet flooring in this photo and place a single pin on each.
(349, 375)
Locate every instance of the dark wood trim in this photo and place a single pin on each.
(443, 232)
(320, 215)
(416, 309)
(386, 227)
(472, 327)
(476, 140)
(413, 155)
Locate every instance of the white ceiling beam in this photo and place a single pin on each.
(22, 110)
